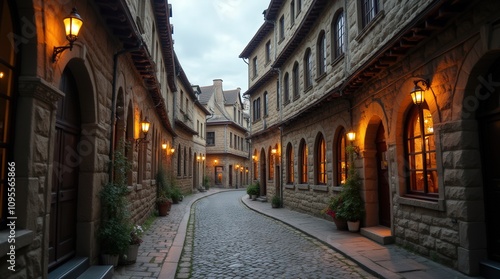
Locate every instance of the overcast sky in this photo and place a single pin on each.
(210, 35)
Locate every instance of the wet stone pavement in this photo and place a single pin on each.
(227, 240)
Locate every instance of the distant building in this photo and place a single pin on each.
(227, 163)
(320, 69)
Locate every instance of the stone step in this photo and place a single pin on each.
(98, 272)
(262, 199)
(379, 234)
(489, 269)
(79, 267)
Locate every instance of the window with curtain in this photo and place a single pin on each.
(421, 153)
(342, 158)
(303, 162)
(320, 160)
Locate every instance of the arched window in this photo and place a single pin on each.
(295, 80)
(270, 161)
(303, 162)
(255, 165)
(338, 38)
(266, 104)
(308, 65)
(286, 88)
(320, 159)
(321, 53)
(184, 161)
(341, 157)
(179, 158)
(421, 152)
(289, 164)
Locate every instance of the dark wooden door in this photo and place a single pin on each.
(64, 188)
(491, 166)
(384, 195)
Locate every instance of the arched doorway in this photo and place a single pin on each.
(65, 179)
(377, 190)
(488, 117)
(263, 173)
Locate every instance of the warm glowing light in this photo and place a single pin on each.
(145, 125)
(198, 158)
(417, 93)
(1, 74)
(163, 146)
(215, 161)
(172, 150)
(203, 158)
(351, 136)
(274, 151)
(72, 23)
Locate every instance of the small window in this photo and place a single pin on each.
(282, 27)
(339, 35)
(369, 8)
(308, 64)
(295, 80)
(256, 109)
(321, 53)
(286, 88)
(292, 12)
(268, 51)
(210, 138)
(254, 66)
(266, 105)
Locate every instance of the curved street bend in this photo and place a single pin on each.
(223, 234)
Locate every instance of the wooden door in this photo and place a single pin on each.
(384, 196)
(64, 188)
(491, 164)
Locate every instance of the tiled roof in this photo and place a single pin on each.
(232, 96)
(206, 94)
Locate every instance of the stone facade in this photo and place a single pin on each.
(227, 163)
(366, 89)
(122, 66)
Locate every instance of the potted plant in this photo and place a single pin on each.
(175, 195)
(114, 230)
(352, 207)
(275, 201)
(253, 191)
(134, 243)
(163, 199)
(331, 210)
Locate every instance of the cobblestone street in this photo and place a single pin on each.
(227, 240)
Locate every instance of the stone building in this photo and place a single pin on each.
(189, 143)
(64, 114)
(320, 69)
(227, 163)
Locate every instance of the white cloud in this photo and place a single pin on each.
(210, 35)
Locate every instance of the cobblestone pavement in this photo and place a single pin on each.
(227, 240)
(158, 242)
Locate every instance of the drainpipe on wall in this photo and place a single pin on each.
(113, 107)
